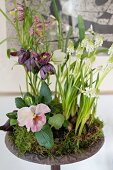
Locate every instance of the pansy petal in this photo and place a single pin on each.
(42, 109)
(42, 117)
(24, 115)
(33, 108)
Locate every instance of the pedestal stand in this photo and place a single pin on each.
(55, 167)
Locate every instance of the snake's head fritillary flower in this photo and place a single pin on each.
(44, 58)
(22, 55)
(33, 117)
(46, 69)
(20, 10)
(38, 26)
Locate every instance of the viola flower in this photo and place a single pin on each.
(20, 10)
(33, 117)
(46, 69)
(58, 57)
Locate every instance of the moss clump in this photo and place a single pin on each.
(65, 142)
(23, 139)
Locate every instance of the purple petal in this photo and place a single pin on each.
(42, 74)
(28, 64)
(49, 68)
(23, 56)
(44, 58)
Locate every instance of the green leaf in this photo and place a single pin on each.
(45, 93)
(81, 27)
(20, 102)
(56, 121)
(29, 99)
(69, 33)
(12, 115)
(13, 122)
(45, 137)
(57, 15)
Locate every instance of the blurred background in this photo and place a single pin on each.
(99, 13)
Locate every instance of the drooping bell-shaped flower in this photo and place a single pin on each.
(38, 27)
(58, 57)
(44, 58)
(46, 69)
(20, 11)
(22, 54)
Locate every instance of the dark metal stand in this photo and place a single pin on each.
(55, 167)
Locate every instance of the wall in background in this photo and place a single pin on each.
(9, 79)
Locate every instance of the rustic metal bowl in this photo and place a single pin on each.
(66, 159)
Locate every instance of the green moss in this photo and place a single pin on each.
(56, 107)
(65, 142)
(23, 139)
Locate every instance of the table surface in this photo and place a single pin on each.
(103, 160)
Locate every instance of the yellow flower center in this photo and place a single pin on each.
(44, 56)
(35, 117)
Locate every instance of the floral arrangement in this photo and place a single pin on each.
(45, 120)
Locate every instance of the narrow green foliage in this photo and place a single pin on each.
(69, 33)
(81, 28)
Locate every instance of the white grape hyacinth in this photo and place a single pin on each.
(88, 45)
(90, 92)
(98, 40)
(70, 48)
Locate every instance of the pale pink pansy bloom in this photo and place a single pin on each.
(33, 117)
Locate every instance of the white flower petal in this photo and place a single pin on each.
(24, 115)
(58, 57)
(42, 108)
